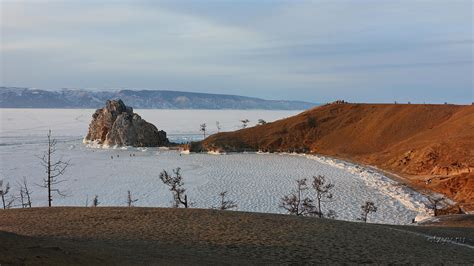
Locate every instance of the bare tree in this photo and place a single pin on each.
(296, 203)
(175, 183)
(203, 129)
(4, 191)
(262, 122)
(434, 203)
(322, 188)
(244, 122)
(218, 126)
(54, 169)
(22, 198)
(130, 199)
(25, 194)
(95, 201)
(367, 208)
(10, 202)
(226, 204)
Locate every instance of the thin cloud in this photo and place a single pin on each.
(294, 50)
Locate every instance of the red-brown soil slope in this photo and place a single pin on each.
(431, 146)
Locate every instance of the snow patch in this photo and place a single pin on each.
(216, 153)
(408, 197)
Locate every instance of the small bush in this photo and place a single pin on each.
(311, 122)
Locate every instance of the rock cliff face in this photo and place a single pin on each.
(117, 124)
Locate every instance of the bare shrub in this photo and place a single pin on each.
(331, 214)
(323, 191)
(367, 208)
(130, 199)
(95, 201)
(244, 122)
(311, 121)
(25, 194)
(225, 204)
(175, 184)
(296, 203)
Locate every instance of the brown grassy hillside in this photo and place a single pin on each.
(418, 142)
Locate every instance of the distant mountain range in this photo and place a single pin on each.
(13, 97)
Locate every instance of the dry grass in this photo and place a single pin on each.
(417, 142)
(189, 236)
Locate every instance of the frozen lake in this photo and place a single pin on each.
(181, 125)
(255, 181)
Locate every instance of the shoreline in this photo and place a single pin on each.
(395, 177)
(417, 212)
(402, 182)
(398, 178)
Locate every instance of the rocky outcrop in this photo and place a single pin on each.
(117, 124)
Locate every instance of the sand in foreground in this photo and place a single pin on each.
(186, 236)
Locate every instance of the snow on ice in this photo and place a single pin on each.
(256, 181)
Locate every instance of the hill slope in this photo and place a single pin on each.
(193, 236)
(432, 146)
(138, 99)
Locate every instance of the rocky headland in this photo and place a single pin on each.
(117, 124)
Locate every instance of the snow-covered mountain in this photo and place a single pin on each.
(12, 97)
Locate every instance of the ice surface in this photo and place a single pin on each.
(255, 181)
(181, 125)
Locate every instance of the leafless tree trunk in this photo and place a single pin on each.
(175, 183)
(367, 208)
(4, 191)
(22, 198)
(25, 194)
(296, 203)
(130, 199)
(322, 188)
(54, 169)
(203, 129)
(225, 204)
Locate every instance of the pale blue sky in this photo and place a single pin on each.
(364, 51)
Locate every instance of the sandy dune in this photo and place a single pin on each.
(189, 236)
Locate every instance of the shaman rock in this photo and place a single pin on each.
(117, 124)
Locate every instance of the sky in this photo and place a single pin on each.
(318, 51)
